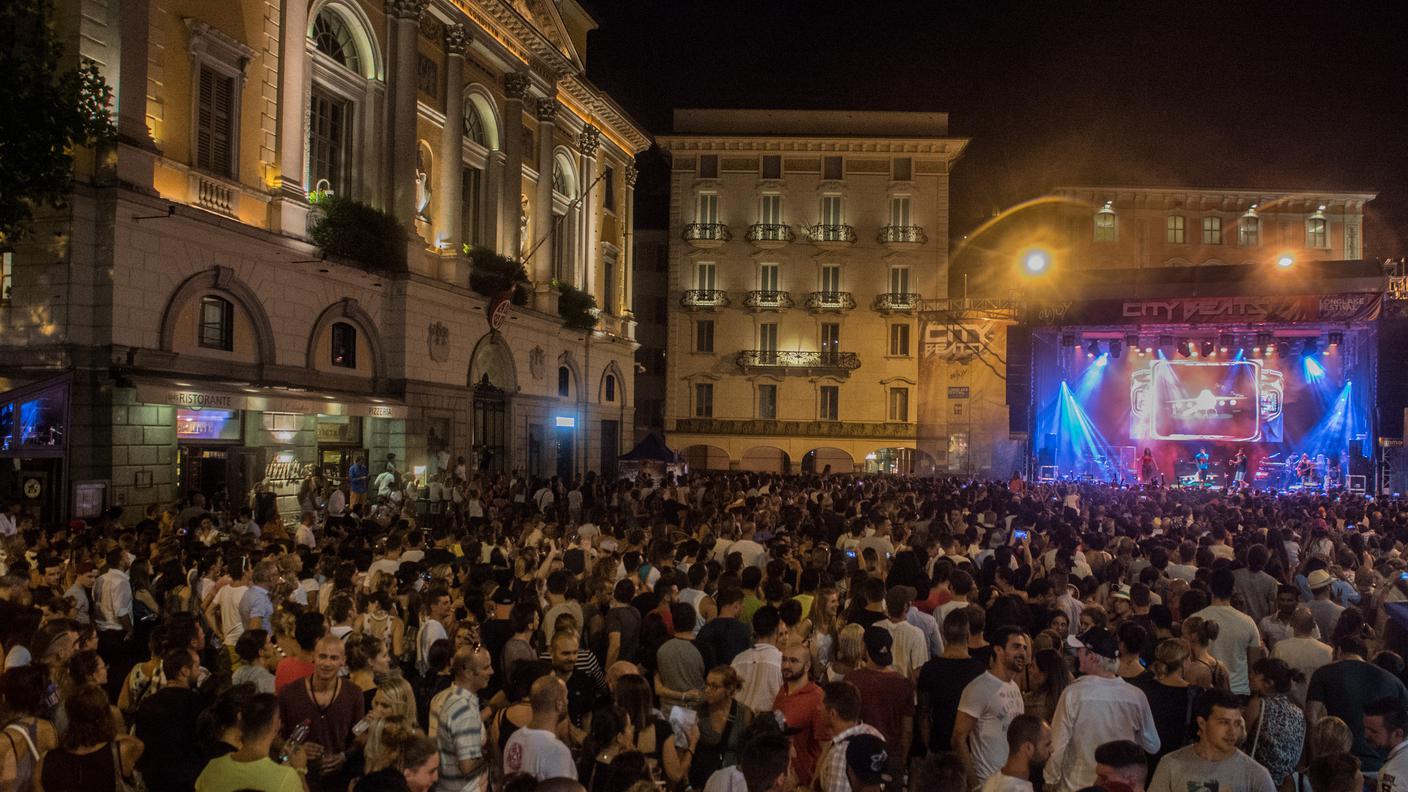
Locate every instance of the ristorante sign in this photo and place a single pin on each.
(261, 399)
(1358, 307)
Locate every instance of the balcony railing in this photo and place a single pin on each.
(704, 298)
(770, 235)
(894, 302)
(797, 362)
(731, 426)
(830, 301)
(707, 235)
(768, 300)
(832, 235)
(902, 236)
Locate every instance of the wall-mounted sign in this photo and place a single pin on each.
(498, 309)
(438, 337)
(263, 399)
(566, 421)
(207, 424)
(958, 392)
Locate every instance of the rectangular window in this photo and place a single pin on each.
(899, 404)
(1317, 233)
(772, 166)
(215, 122)
(1105, 229)
(1351, 241)
(1174, 234)
(709, 166)
(704, 335)
(899, 211)
(327, 142)
(899, 340)
(344, 345)
(830, 407)
(768, 277)
(899, 280)
(767, 402)
(770, 210)
(561, 255)
(1249, 231)
(831, 168)
(831, 278)
(472, 205)
(703, 400)
(609, 287)
(831, 210)
(217, 324)
(1212, 230)
(767, 343)
(903, 168)
(706, 208)
(705, 275)
(830, 342)
(608, 190)
(7, 275)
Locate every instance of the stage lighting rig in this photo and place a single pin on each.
(1116, 347)
(1092, 349)
(1263, 343)
(1069, 340)
(1283, 348)
(1336, 339)
(1225, 343)
(1311, 346)
(1208, 348)
(1185, 348)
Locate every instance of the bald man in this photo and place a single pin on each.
(800, 702)
(1304, 652)
(535, 749)
(332, 706)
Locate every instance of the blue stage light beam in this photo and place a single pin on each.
(1314, 372)
(1080, 448)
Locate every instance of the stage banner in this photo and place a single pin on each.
(1281, 309)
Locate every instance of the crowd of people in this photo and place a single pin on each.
(715, 632)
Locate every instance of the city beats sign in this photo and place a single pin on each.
(498, 309)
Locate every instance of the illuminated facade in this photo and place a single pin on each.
(801, 244)
(201, 342)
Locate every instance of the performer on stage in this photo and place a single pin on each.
(1148, 469)
(1239, 468)
(1201, 458)
(1305, 468)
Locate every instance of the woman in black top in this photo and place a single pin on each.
(90, 755)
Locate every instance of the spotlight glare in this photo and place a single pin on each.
(1285, 261)
(1036, 261)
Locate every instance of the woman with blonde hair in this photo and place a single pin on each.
(1170, 697)
(850, 653)
(825, 627)
(393, 707)
(1201, 668)
(1328, 736)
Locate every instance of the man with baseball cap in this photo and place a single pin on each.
(1095, 709)
(866, 762)
(886, 696)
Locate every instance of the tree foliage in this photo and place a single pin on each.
(491, 274)
(46, 111)
(576, 307)
(352, 230)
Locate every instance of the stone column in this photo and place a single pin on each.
(545, 297)
(511, 205)
(404, 22)
(588, 142)
(136, 153)
(628, 254)
(288, 212)
(449, 160)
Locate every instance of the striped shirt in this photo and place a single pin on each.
(459, 730)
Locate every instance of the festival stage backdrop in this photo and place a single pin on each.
(1097, 412)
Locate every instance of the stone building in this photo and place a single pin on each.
(173, 329)
(801, 245)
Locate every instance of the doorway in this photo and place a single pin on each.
(490, 427)
(565, 441)
(610, 448)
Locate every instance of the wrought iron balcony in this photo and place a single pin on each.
(830, 301)
(768, 300)
(891, 430)
(832, 236)
(770, 235)
(706, 235)
(797, 362)
(896, 302)
(704, 299)
(902, 237)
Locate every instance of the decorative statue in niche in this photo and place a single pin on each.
(422, 186)
(523, 239)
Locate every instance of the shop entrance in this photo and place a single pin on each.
(339, 445)
(564, 438)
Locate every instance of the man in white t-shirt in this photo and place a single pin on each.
(1238, 642)
(224, 610)
(388, 564)
(438, 609)
(989, 704)
(911, 648)
(1028, 746)
(752, 552)
(535, 748)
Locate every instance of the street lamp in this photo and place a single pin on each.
(1036, 261)
(1285, 261)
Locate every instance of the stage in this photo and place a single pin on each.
(1295, 399)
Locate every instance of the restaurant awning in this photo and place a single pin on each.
(204, 394)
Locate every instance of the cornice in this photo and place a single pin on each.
(945, 147)
(600, 111)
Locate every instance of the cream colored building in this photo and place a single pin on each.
(173, 329)
(801, 244)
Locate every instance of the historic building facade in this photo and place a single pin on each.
(801, 245)
(174, 328)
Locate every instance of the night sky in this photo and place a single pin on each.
(1230, 94)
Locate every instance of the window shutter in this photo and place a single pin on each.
(215, 122)
(205, 120)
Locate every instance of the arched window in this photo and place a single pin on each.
(476, 128)
(563, 180)
(344, 345)
(564, 382)
(217, 324)
(610, 387)
(1105, 223)
(333, 37)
